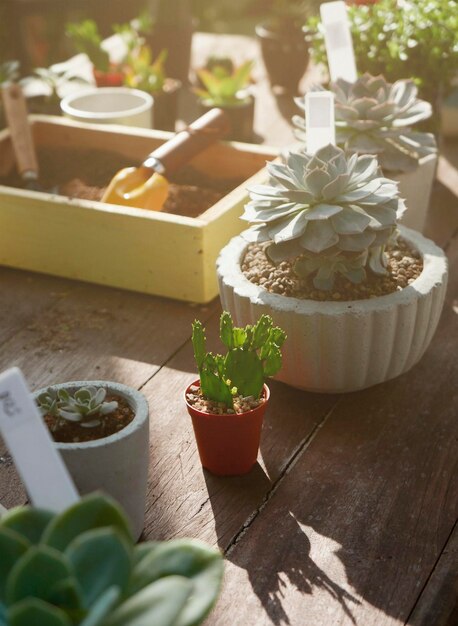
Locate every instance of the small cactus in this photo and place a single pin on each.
(253, 354)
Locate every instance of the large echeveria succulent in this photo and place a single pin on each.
(376, 117)
(331, 211)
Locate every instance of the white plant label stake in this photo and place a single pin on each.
(38, 462)
(319, 120)
(338, 40)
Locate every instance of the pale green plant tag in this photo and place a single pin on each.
(338, 41)
(319, 120)
(35, 455)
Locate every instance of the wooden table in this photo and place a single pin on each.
(350, 515)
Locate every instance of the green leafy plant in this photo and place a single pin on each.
(220, 65)
(84, 406)
(9, 72)
(86, 38)
(53, 83)
(330, 212)
(222, 88)
(407, 38)
(143, 73)
(376, 117)
(81, 567)
(253, 353)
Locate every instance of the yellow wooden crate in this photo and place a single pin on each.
(156, 253)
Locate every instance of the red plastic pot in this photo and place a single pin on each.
(108, 79)
(228, 444)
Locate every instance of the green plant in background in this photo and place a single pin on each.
(86, 38)
(81, 567)
(223, 89)
(54, 82)
(141, 72)
(85, 406)
(253, 353)
(376, 117)
(329, 213)
(220, 65)
(133, 32)
(9, 71)
(402, 38)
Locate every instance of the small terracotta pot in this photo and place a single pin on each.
(108, 79)
(228, 444)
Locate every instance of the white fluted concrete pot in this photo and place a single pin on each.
(118, 464)
(415, 187)
(335, 347)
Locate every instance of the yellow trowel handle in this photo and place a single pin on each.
(140, 187)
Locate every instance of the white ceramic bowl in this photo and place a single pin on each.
(110, 105)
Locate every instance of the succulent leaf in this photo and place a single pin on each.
(338, 207)
(27, 522)
(160, 603)
(37, 612)
(35, 573)
(12, 547)
(102, 607)
(198, 563)
(100, 559)
(94, 511)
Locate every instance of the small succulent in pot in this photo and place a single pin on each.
(228, 403)
(332, 212)
(376, 117)
(223, 88)
(85, 406)
(82, 567)
(253, 353)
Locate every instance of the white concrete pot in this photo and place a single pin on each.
(343, 346)
(109, 105)
(118, 464)
(415, 187)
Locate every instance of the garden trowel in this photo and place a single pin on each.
(147, 186)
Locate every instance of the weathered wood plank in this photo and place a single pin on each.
(438, 603)
(23, 296)
(95, 333)
(186, 500)
(356, 526)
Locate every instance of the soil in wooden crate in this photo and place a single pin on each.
(64, 431)
(404, 265)
(86, 173)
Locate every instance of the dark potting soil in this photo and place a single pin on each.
(86, 173)
(404, 265)
(64, 431)
(241, 404)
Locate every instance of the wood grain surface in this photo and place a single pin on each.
(349, 517)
